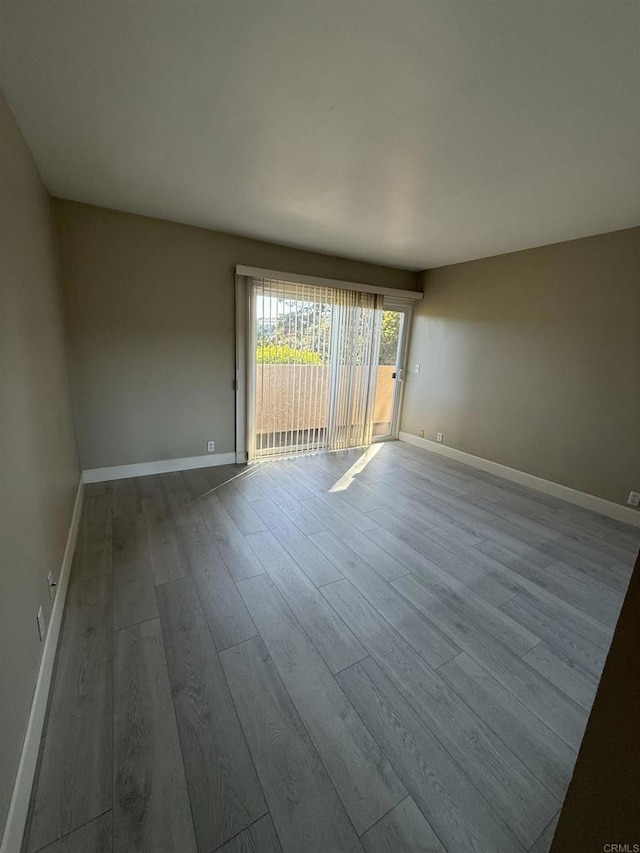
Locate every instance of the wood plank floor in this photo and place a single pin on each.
(316, 655)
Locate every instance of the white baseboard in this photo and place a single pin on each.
(162, 466)
(557, 490)
(19, 805)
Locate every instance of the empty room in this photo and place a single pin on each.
(319, 426)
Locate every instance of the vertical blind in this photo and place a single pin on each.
(315, 367)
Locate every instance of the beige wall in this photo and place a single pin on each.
(531, 359)
(38, 460)
(150, 306)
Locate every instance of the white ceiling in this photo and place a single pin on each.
(408, 133)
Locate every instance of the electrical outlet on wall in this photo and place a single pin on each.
(211, 446)
(634, 499)
(439, 436)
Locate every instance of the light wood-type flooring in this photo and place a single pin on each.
(376, 650)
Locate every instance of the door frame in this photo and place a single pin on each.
(244, 428)
(405, 307)
(243, 377)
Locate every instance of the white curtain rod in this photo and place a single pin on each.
(294, 278)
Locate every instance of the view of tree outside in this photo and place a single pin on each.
(389, 337)
(296, 328)
(297, 333)
(283, 354)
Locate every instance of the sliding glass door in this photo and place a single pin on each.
(390, 374)
(313, 367)
(293, 330)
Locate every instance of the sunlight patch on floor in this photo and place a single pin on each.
(358, 466)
